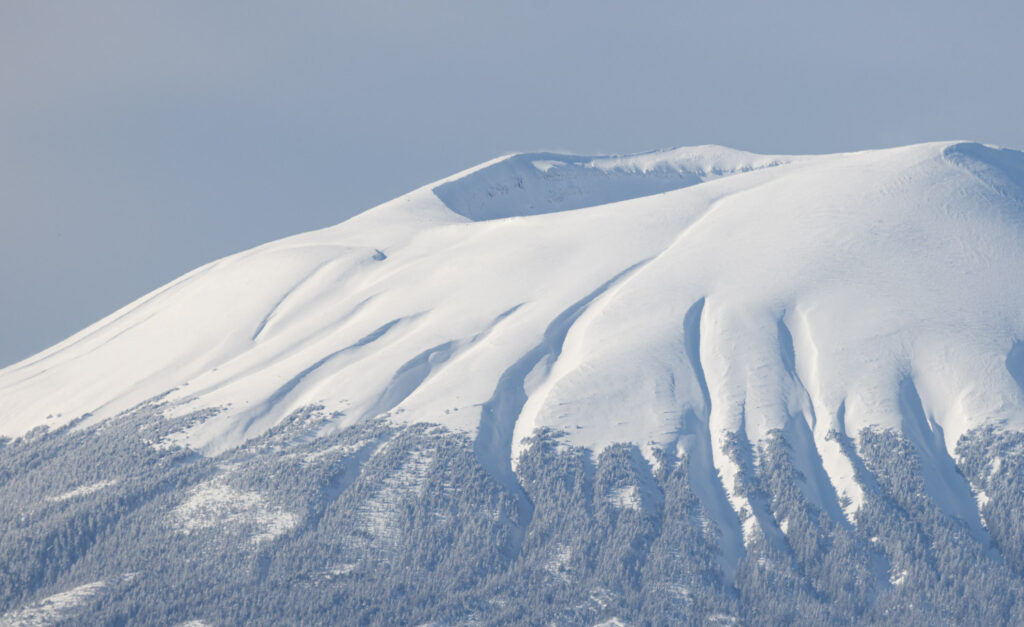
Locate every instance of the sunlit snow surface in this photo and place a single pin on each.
(57, 607)
(215, 505)
(667, 299)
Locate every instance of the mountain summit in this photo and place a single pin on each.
(615, 297)
(693, 305)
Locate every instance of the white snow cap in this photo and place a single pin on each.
(618, 299)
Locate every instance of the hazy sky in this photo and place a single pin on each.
(141, 139)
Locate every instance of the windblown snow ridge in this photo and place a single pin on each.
(535, 183)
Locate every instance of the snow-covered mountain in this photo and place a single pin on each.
(696, 304)
(620, 299)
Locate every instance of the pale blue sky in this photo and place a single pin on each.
(141, 139)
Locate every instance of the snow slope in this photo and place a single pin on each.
(667, 299)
